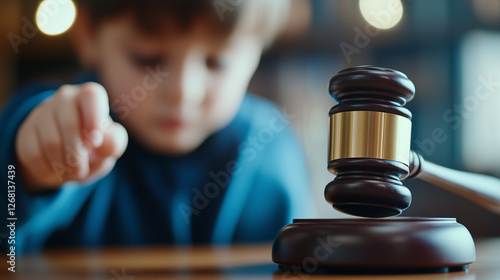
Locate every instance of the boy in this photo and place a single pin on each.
(161, 145)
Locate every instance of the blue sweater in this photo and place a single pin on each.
(242, 184)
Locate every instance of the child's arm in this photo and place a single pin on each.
(69, 137)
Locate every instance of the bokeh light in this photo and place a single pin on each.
(382, 14)
(54, 17)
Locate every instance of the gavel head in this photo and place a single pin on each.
(369, 141)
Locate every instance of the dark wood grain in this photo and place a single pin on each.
(204, 262)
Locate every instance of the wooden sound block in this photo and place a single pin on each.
(402, 245)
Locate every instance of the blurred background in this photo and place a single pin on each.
(450, 49)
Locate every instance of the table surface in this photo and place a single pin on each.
(204, 262)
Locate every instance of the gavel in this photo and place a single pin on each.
(369, 148)
(369, 152)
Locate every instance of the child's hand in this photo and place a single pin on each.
(70, 137)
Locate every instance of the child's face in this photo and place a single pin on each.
(171, 92)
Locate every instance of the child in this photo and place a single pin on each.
(160, 145)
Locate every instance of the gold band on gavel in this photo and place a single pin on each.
(369, 134)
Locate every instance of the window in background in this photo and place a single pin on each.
(478, 110)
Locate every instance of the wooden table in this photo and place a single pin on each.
(203, 262)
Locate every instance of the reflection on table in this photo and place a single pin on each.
(204, 262)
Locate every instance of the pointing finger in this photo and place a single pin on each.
(94, 109)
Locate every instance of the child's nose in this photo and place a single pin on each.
(187, 82)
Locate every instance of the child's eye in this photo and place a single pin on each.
(215, 63)
(144, 61)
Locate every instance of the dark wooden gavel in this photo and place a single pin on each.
(369, 148)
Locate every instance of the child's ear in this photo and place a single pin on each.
(83, 37)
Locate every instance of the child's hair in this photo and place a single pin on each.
(265, 17)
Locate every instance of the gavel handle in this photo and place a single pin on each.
(481, 189)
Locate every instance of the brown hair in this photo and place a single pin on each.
(266, 17)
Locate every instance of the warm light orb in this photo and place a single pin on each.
(382, 14)
(54, 17)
